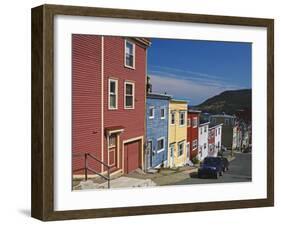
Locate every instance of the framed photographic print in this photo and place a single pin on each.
(141, 112)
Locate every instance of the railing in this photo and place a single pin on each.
(87, 168)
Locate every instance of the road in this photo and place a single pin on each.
(240, 170)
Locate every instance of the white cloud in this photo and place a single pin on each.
(196, 90)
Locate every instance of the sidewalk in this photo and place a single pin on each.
(138, 178)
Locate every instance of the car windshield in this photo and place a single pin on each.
(211, 161)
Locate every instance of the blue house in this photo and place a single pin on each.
(157, 118)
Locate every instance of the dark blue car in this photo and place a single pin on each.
(211, 167)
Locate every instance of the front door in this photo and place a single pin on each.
(172, 150)
(149, 154)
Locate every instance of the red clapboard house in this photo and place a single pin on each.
(108, 102)
(192, 133)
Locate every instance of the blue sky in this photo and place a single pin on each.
(196, 70)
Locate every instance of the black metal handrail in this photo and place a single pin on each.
(87, 168)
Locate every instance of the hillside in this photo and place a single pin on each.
(228, 102)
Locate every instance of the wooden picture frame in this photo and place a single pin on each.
(43, 109)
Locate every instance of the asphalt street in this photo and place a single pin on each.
(240, 170)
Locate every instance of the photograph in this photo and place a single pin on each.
(160, 112)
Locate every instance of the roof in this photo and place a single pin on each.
(203, 124)
(212, 126)
(222, 116)
(158, 96)
(179, 101)
(194, 111)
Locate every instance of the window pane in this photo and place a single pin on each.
(151, 112)
(162, 113)
(129, 89)
(112, 140)
(129, 101)
(129, 48)
(129, 60)
(112, 86)
(112, 101)
(160, 144)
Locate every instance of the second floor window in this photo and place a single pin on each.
(194, 122)
(112, 89)
(151, 112)
(129, 95)
(182, 118)
(162, 112)
(129, 54)
(173, 118)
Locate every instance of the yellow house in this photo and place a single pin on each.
(177, 152)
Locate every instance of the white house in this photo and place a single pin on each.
(215, 138)
(218, 136)
(203, 140)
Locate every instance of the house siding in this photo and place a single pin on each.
(203, 143)
(88, 128)
(177, 134)
(157, 128)
(192, 134)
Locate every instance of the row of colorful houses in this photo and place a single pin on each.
(174, 135)
(118, 122)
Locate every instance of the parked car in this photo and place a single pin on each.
(225, 163)
(211, 167)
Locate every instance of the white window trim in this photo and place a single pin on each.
(196, 144)
(179, 143)
(173, 113)
(196, 122)
(116, 95)
(180, 119)
(133, 84)
(161, 138)
(163, 108)
(134, 54)
(151, 117)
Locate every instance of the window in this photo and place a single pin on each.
(216, 132)
(219, 131)
(227, 121)
(180, 148)
(173, 118)
(214, 120)
(129, 95)
(112, 94)
(160, 144)
(188, 122)
(151, 112)
(201, 130)
(162, 112)
(129, 54)
(205, 129)
(182, 118)
(205, 145)
(194, 144)
(112, 141)
(194, 122)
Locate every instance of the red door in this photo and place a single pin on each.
(132, 156)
